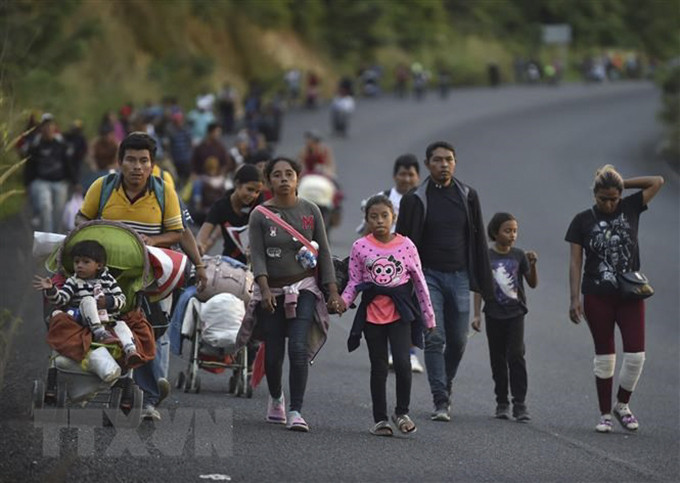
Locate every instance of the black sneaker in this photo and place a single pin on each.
(520, 413)
(441, 413)
(502, 411)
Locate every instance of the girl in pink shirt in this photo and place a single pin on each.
(386, 268)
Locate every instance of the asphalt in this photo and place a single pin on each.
(532, 151)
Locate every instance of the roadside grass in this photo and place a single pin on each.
(12, 194)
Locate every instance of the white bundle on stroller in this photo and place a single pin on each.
(219, 318)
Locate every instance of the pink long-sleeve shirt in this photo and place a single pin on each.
(389, 265)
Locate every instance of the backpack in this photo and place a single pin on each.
(111, 181)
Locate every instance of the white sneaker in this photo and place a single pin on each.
(149, 412)
(605, 424)
(416, 366)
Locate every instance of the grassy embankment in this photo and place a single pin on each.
(135, 51)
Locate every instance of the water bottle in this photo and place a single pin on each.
(99, 293)
(306, 258)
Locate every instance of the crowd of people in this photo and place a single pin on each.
(422, 250)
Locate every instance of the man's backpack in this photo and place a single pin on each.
(111, 181)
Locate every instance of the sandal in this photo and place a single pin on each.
(382, 428)
(404, 423)
(626, 418)
(296, 422)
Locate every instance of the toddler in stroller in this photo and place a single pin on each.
(87, 360)
(93, 297)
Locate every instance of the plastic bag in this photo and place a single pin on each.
(102, 363)
(71, 209)
(221, 318)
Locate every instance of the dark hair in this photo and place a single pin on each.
(406, 161)
(212, 126)
(247, 173)
(495, 224)
(90, 249)
(438, 144)
(258, 156)
(270, 166)
(607, 177)
(378, 200)
(139, 141)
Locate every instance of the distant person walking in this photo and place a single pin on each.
(608, 235)
(47, 175)
(443, 218)
(505, 315)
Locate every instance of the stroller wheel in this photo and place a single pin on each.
(127, 388)
(51, 386)
(249, 388)
(232, 383)
(181, 379)
(61, 394)
(189, 382)
(239, 386)
(114, 405)
(37, 396)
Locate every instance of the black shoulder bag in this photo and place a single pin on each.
(633, 285)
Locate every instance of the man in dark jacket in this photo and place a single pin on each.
(443, 218)
(47, 175)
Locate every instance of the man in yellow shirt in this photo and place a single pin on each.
(134, 202)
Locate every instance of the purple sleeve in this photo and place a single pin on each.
(354, 272)
(420, 285)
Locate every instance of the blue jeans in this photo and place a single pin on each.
(48, 199)
(276, 329)
(146, 377)
(444, 347)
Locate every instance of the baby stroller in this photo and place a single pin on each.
(211, 323)
(68, 384)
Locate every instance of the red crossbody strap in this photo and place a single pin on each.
(270, 215)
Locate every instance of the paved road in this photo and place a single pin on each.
(531, 151)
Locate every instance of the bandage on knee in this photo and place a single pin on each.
(603, 365)
(631, 370)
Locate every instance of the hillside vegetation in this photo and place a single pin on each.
(78, 58)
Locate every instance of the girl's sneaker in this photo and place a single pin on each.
(275, 410)
(502, 411)
(520, 413)
(296, 422)
(624, 416)
(605, 424)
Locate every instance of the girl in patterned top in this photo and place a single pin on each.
(386, 268)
